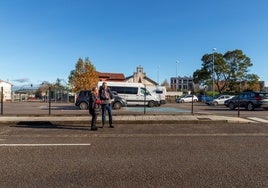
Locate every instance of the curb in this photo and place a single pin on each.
(124, 119)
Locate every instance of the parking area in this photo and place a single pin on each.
(41, 108)
(161, 109)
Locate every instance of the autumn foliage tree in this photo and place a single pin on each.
(84, 77)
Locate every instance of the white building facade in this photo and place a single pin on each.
(140, 77)
(7, 90)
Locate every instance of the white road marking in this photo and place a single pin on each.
(34, 145)
(258, 119)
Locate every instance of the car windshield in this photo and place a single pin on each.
(235, 97)
(216, 97)
(264, 95)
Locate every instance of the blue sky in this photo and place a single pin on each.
(41, 40)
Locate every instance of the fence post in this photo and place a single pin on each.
(2, 100)
(49, 101)
(144, 110)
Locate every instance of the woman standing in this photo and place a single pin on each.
(94, 107)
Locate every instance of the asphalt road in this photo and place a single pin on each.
(222, 155)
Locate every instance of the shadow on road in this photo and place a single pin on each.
(48, 125)
(61, 108)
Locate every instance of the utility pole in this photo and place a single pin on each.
(177, 84)
(213, 62)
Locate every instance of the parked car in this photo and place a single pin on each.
(82, 100)
(177, 99)
(187, 98)
(226, 103)
(204, 98)
(250, 100)
(219, 100)
(209, 100)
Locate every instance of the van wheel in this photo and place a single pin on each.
(83, 106)
(117, 105)
(151, 103)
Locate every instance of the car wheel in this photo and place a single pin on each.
(151, 103)
(250, 106)
(182, 101)
(117, 105)
(231, 106)
(195, 100)
(83, 106)
(215, 103)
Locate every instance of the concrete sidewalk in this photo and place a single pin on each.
(127, 119)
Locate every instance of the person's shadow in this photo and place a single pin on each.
(48, 125)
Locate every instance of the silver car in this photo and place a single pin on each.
(220, 100)
(187, 98)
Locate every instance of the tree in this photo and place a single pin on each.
(84, 77)
(45, 85)
(238, 64)
(229, 70)
(165, 83)
(213, 64)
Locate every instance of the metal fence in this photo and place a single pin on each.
(55, 95)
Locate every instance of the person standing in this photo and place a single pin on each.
(106, 98)
(94, 107)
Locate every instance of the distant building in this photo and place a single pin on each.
(116, 77)
(140, 77)
(182, 83)
(263, 86)
(7, 90)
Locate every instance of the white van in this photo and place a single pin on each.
(160, 92)
(134, 93)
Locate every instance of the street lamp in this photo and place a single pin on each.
(177, 84)
(213, 62)
(158, 74)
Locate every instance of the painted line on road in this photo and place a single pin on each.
(143, 135)
(34, 145)
(258, 119)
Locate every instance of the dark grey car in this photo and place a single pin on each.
(249, 99)
(82, 100)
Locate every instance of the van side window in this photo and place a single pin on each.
(124, 90)
(131, 90)
(158, 91)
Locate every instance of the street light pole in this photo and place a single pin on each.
(213, 62)
(158, 74)
(177, 84)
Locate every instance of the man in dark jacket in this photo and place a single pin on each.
(106, 99)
